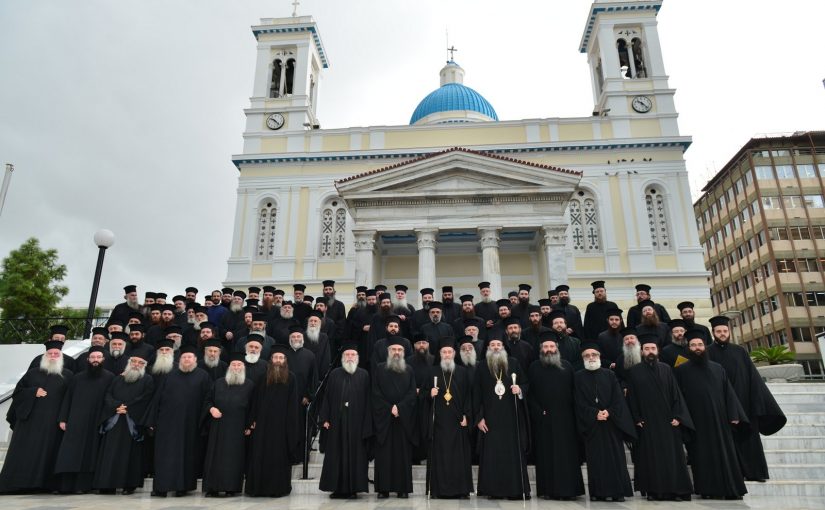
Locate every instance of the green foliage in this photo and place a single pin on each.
(778, 355)
(29, 282)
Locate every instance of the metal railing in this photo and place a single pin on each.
(36, 330)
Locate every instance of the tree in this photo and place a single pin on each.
(29, 282)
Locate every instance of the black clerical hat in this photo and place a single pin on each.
(383, 296)
(646, 302)
(692, 334)
(484, 285)
(447, 288)
(465, 339)
(628, 331)
(446, 341)
(544, 302)
(254, 290)
(328, 283)
(525, 286)
(436, 305)
(96, 348)
(227, 290)
(562, 288)
(187, 349)
(149, 295)
(239, 293)
(58, 329)
(258, 317)
(719, 320)
(402, 288)
(685, 304)
(100, 331)
(643, 287)
(360, 288)
(212, 342)
(119, 335)
(129, 289)
(164, 343)
(178, 298)
(269, 288)
(552, 292)
(503, 302)
(137, 327)
(53, 344)
(208, 325)
(380, 287)
(255, 337)
(160, 295)
(427, 291)
(299, 286)
(598, 284)
(295, 328)
(557, 314)
(279, 292)
(172, 329)
(395, 340)
(649, 338)
(393, 318)
(591, 345)
(466, 297)
(510, 320)
(237, 356)
(613, 312)
(191, 289)
(676, 323)
(283, 349)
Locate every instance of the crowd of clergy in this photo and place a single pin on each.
(233, 388)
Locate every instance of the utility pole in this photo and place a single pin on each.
(5, 188)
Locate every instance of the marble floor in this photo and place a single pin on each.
(142, 501)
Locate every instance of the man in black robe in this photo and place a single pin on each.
(715, 411)
(534, 330)
(486, 308)
(572, 315)
(335, 310)
(556, 445)
(764, 415)
(118, 359)
(79, 421)
(522, 307)
(230, 422)
(303, 366)
(274, 445)
(121, 311)
(256, 365)
(33, 418)
(421, 361)
(393, 412)
(176, 417)
(449, 472)
(120, 458)
(569, 346)
(651, 325)
(634, 315)
(469, 350)
(604, 423)
(380, 351)
(676, 352)
(99, 338)
(346, 416)
(435, 328)
(660, 415)
(422, 315)
(501, 417)
(687, 313)
(319, 343)
(596, 313)
(610, 339)
(630, 355)
(211, 361)
(403, 310)
(57, 333)
(525, 353)
(358, 327)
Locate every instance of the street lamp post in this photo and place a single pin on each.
(103, 239)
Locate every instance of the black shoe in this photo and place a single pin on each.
(129, 491)
(180, 494)
(106, 491)
(352, 495)
(158, 494)
(735, 498)
(403, 495)
(230, 494)
(383, 495)
(619, 499)
(211, 494)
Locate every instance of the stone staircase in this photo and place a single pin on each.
(795, 455)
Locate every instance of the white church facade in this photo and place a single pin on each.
(459, 196)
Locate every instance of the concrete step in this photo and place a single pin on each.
(800, 396)
(801, 430)
(777, 442)
(787, 488)
(796, 418)
(789, 456)
(802, 407)
(815, 387)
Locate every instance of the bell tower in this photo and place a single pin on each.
(291, 59)
(621, 40)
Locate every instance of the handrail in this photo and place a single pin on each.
(312, 414)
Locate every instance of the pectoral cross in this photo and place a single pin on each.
(295, 4)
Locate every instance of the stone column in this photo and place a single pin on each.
(364, 256)
(555, 240)
(427, 238)
(490, 268)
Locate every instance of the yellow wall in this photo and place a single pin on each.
(619, 223)
(645, 128)
(488, 134)
(455, 266)
(590, 264)
(261, 271)
(572, 132)
(666, 262)
(273, 145)
(400, 267)
(330, 270)
(301, 239)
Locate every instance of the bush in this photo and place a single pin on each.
(778, 355)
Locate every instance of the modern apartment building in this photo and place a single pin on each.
(761, 222)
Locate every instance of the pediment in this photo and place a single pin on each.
(459, 172)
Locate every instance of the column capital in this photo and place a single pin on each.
(489, 237)
(555, 235)
(364, 240)
(426, 237)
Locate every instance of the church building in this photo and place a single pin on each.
(458, 195)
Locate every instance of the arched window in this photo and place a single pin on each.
(638, 58)
(624, 58)
(275, 85)
(333, 230)
(657, 219)
(267, 216)
(585, 235)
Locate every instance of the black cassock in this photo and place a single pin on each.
(556, 445)
(449, 470)
(713, 406)
(225, 458)
(274, 442)
(763, 412)
(121, 451)
(674, 354)
(595, 318)
(215, 372)
(303, 365)
(346, 406)
(421, 366)
(655, 400)
(81, 410)
(598, 390)
(502, 463)
(176, 415)
(394, 436)
(29, 461)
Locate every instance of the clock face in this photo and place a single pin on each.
(642, 104)
(275, 121)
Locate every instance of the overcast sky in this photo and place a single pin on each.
(124, 115)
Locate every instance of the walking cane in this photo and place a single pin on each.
(432, 441)
(518, 439)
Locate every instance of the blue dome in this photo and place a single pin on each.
(451, 97)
